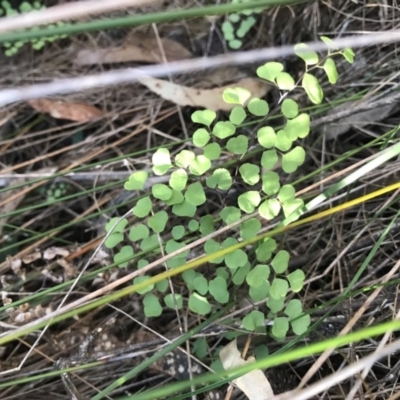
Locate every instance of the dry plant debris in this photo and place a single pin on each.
(137, 48)
(12, 205)
(141, 48)
(63, 109)
(254, 384)
(358, 120)
(206, 98)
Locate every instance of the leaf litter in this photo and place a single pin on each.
(62, 109)
(207, 98)
(141, 48)
(138, 48)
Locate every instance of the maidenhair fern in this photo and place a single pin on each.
(263, 270)
(26, 7)
(237, 25)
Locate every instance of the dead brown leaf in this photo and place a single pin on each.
(218, 77)
(30, 258)
(16, 266)
(139, 48)
(23, 314)
(207, 98)
(254, 384)
(52, 252)
(70, 270)
(61, 109)
(51, 276)
(356, 120)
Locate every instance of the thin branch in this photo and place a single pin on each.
(99, 177)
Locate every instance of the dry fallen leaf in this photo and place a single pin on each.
(254, 384)
(357, 120)
(139, 48)
(16, 266)
(52, 252)
(101, 257)
(207, 98)
(51, 276)
(30, 258)
(70, 270)
(218, 77)
(23, 314)
(61, 109)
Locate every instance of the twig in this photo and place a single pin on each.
(99, 177)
